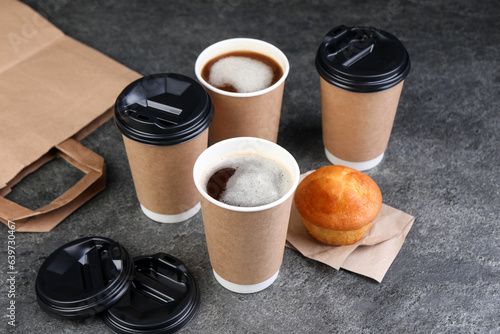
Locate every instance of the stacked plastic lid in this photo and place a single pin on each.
(148, 294)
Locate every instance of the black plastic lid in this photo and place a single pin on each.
(83, 277)
(163, 298)
(362, 59)
(163, 109)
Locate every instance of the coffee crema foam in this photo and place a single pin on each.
(243, 73)
(254, 181)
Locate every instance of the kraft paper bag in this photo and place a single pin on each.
(54, 91)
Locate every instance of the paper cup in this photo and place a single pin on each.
(164, 120)
(362, 71)
(245, 244)
(255, 114)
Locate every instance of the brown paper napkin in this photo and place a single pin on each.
(371, 256)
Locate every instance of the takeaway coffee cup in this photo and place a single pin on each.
(245, 243)
(362, 71)
(252, 114)
(164, 120)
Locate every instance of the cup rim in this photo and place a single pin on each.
(198, 170)
(250, 44)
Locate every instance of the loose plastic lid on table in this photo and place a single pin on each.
(150, 294)
(163, 109)
(163, 298)
(83, 277)
(362, 59)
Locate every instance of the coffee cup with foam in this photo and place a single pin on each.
(245, 78)
(246, 232)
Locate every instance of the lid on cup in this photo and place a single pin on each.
(163, 298)
(362, 59)
(163, 109)
(83, 277)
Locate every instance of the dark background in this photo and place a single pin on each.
(441, 166)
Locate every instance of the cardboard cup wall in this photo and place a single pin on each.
(245, 244)
(253, 114)
(357, 126)
(160, 172)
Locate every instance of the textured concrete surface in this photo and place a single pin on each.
(442, 166)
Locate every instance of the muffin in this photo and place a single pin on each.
(337, 204)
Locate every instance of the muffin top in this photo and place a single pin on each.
(338, 198)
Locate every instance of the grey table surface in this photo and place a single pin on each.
(441, 166)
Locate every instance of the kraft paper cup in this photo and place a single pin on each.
(245, 244)
(254, 114)
(362, 71)
(164, 120)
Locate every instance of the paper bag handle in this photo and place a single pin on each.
(77, 155)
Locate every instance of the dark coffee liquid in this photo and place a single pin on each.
(217, 183)
(273, 65)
